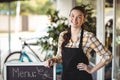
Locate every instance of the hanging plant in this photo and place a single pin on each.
(58, 24)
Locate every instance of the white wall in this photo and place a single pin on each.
(64, 6)
(35, 23)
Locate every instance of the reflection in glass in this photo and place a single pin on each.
(116, 70)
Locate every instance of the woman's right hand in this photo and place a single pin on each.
(49, 63)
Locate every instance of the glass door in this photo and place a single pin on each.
(116, 39)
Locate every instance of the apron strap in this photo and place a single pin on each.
(81, 38)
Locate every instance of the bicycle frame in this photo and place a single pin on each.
(24, 53)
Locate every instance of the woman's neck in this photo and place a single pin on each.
(75, 31)
(75, 34)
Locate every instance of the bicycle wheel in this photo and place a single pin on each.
(17, 55)
(13, 57)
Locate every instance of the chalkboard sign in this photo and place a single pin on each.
(29, 71)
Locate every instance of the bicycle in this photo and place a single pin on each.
(23, 55)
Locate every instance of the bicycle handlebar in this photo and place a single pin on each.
(27, 39)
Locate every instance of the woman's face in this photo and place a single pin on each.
(76, 18)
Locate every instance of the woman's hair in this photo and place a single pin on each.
(67, 35)
(80, 8)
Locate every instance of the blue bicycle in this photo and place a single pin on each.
(24, 55)
(28, 54)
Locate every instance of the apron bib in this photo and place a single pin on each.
(71, 57)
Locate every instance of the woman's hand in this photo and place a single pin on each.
(82, 66)
(49, 63)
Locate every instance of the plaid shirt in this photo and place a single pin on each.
(90, 42)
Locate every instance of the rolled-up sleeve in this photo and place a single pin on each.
(58, 56)
(95, 44)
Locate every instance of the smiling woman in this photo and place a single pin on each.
(75, 58)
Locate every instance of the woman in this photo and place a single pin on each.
(74, 48)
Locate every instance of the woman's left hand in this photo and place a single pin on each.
(82, 66)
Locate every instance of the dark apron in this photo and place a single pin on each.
(71, 57)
